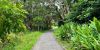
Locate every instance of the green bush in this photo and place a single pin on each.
(84, 38)
(12, 17)
(10, 41)
(81, 37)
(65, 32)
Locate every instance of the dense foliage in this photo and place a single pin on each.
(81, 30)
(81, 37)
(78, 21)
(11, 17)
(84, 10)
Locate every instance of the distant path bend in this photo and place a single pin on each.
(47, 42)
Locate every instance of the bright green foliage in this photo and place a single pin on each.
(11, 40)
(64, 32)
(85, 38)
(83, 30)
(41, 13)
(97, 24)
(81, 37)
(11, 16)
(21, 41)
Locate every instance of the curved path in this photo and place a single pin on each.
(47, 42)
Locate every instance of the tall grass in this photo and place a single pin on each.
(23, 41)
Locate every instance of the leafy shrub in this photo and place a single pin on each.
(12, 17)
(82, 37)
(11, 40)
(65, 32)
(85, 39)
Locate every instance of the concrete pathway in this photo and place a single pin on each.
(47, 42)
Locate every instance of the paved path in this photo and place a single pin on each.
(47, 42)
